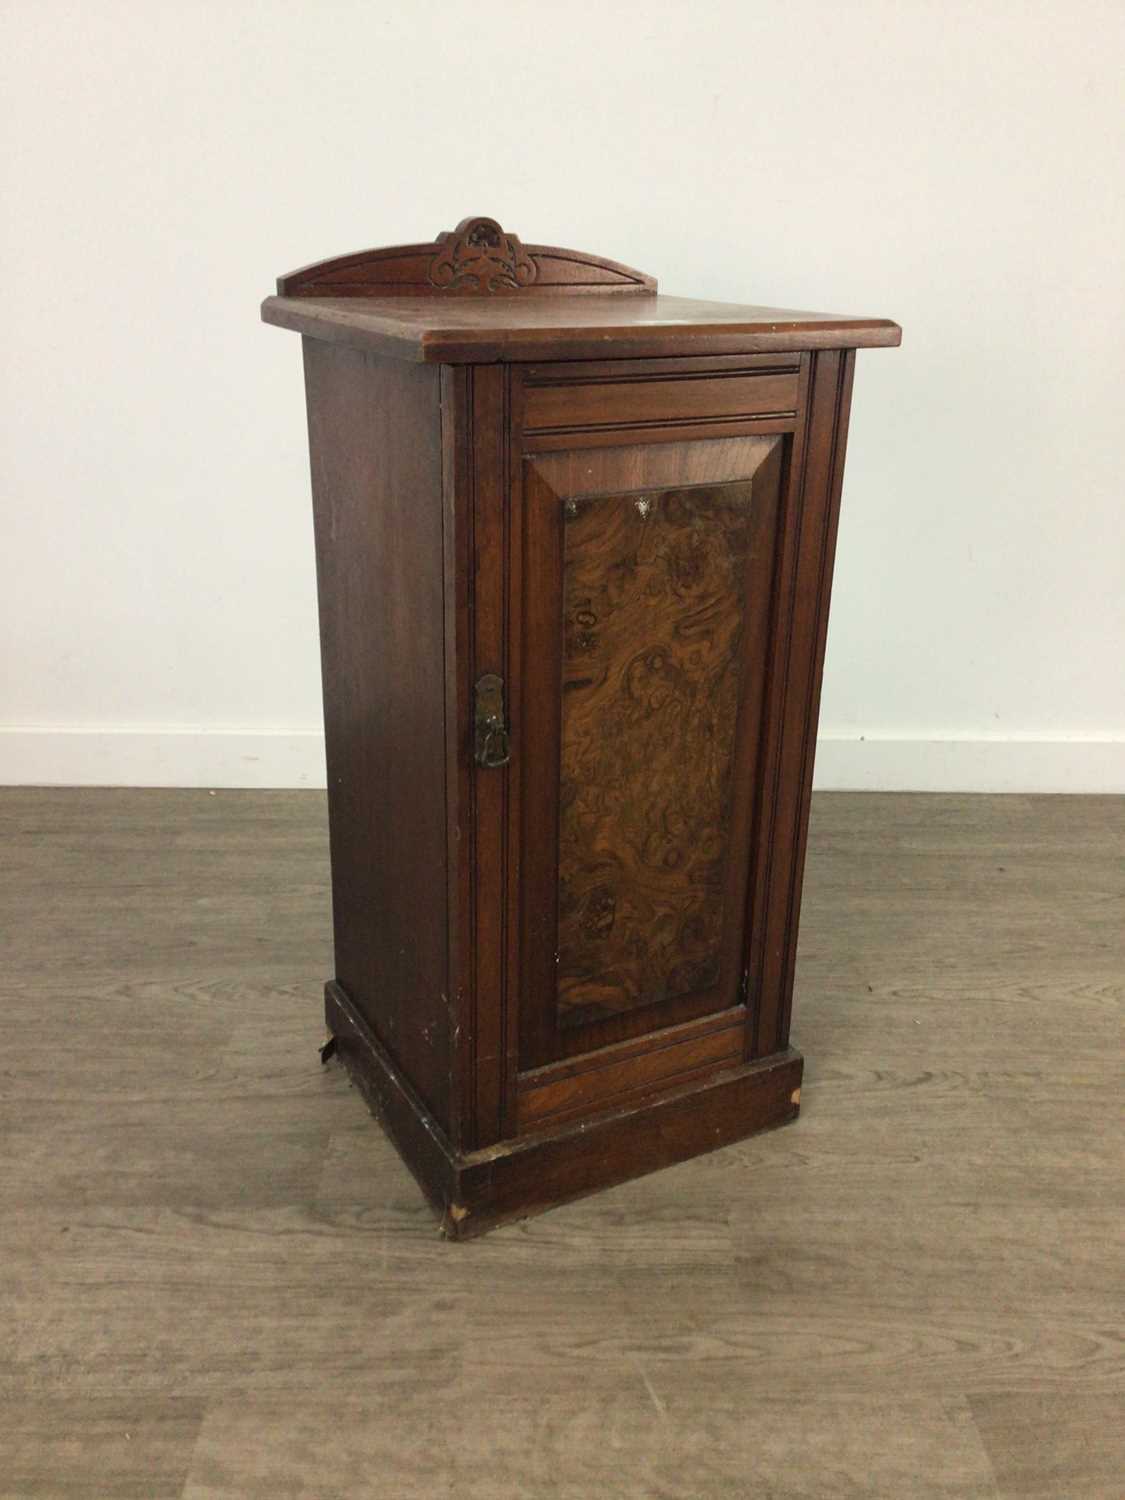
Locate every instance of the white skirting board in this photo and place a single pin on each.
(186, 757)
(1078, 764)
(164, 756)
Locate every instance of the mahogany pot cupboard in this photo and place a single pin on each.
(574, 546)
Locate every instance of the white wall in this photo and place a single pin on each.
(956, 166)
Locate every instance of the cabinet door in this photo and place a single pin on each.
(647, 586)
(649, 573)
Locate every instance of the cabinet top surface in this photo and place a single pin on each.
(477, 295)
(464, 331)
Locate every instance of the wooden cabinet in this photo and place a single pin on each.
(574, 550)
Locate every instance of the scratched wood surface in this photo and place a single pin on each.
(654, 597)
(218, 1280)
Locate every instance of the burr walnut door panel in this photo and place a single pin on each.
(645, 609)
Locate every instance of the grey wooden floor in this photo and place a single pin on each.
(217, 1279)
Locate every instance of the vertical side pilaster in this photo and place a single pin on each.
(801, 628)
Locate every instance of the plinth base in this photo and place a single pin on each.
(474, 1191)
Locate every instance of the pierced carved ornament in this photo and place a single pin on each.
(478, 256)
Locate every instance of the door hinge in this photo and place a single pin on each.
(491, 745)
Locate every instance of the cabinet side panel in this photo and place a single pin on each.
(375, 446)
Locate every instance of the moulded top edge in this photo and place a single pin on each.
(508, 329)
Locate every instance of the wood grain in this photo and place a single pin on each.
(654, 597)
(618, 757)
(210, 1260)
